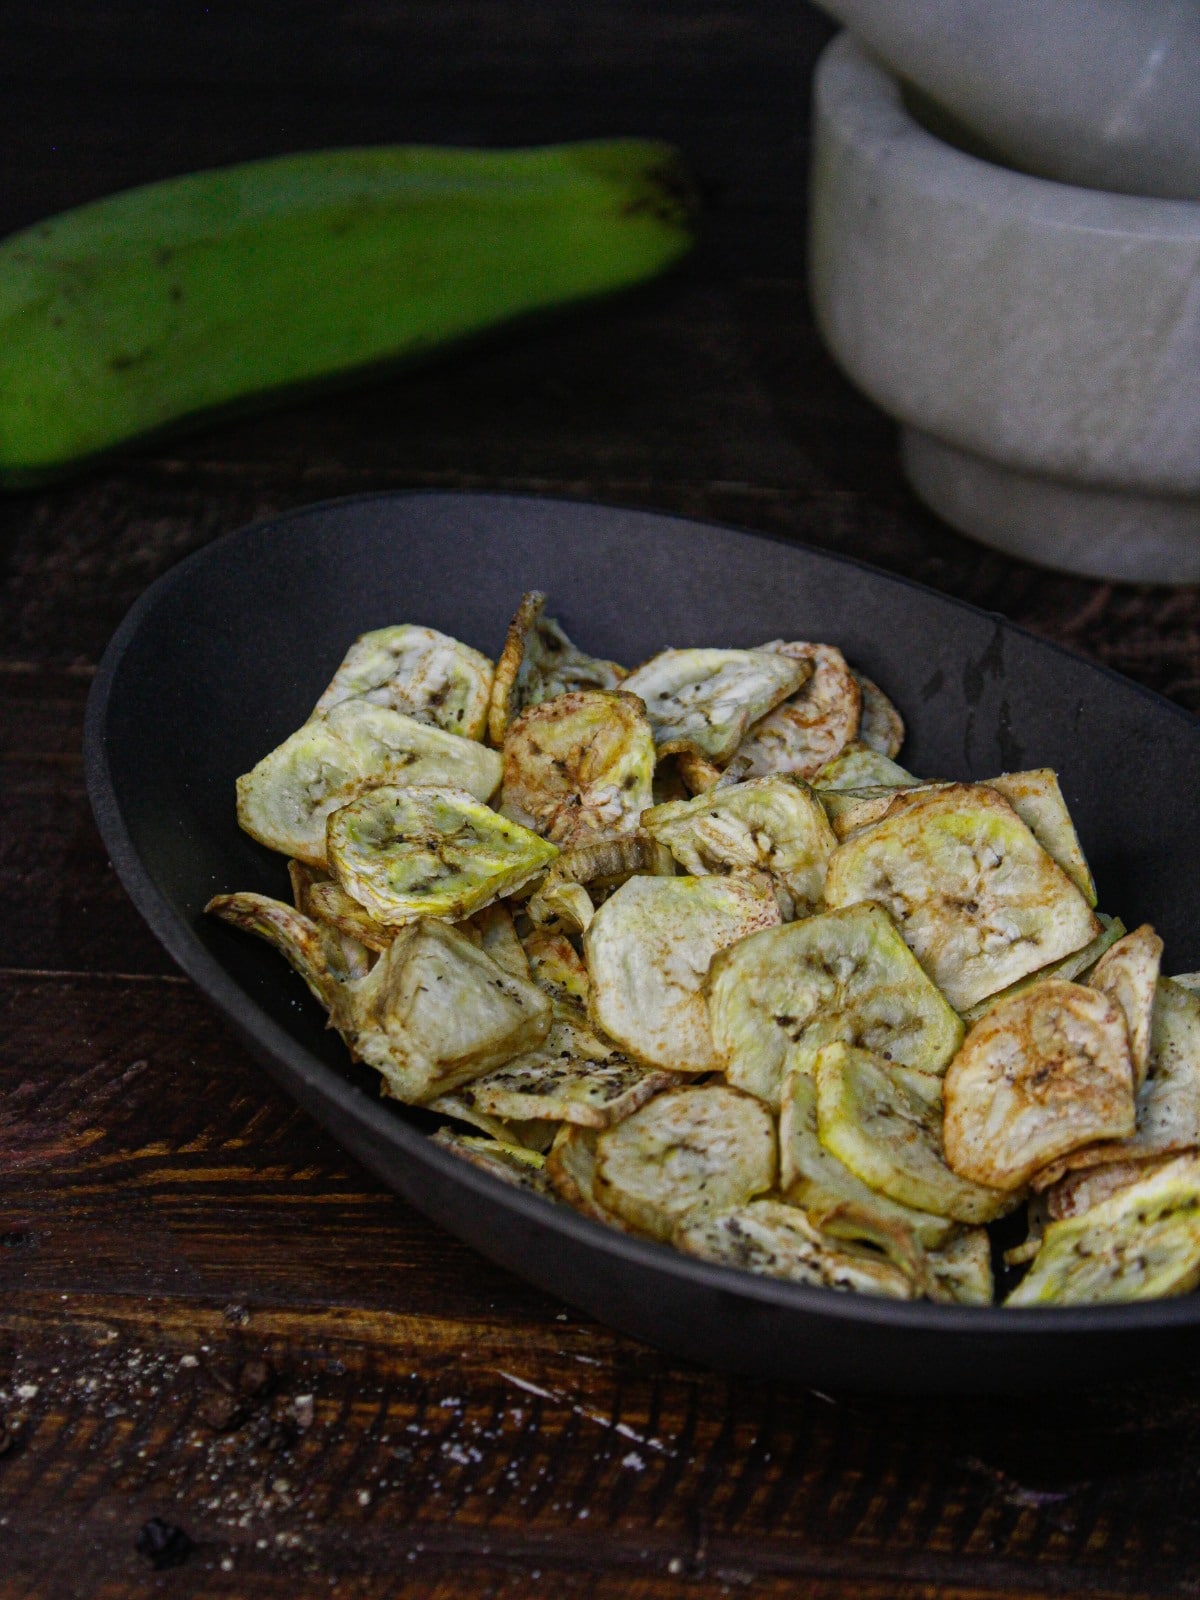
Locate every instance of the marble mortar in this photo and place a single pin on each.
(1038, 343)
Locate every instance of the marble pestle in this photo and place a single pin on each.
(1100, 93)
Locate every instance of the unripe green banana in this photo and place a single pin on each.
(243, 283)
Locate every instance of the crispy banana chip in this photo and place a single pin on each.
(691, 1148)
(777, 998)
(538, 663)
(557, 967)
(531, 1134)
(978, 900)
(571, 1169)
(1074, 966)
(815, 724)
(512, 1163)
(285, 801)
(328, 902)
(429, 851)
(962, 1269)
(1142, 1243)
(778, 1241)
(498, 937)
(841, 1204)
(1128, 974)
(705, 700)
(861, 767)
(588, 872)
(881, 726)
(436, 1011)
(1038, 801)
(579, 766)
(1042, 1074)
(774, 825)
(648, 950)
(886, 1126)
(419, 671)
(850, 811)
(1168, 1102)
(323, 959)
(573, 1076)
(1080, 1191)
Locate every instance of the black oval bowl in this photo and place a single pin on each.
(224, 656)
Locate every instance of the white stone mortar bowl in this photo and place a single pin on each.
(1038, 343)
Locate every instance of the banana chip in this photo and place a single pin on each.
(571, 1169)
(557, 967)
(1076, 965)
(1040, 1075)
(962, 1269)
(538, 663)
(571, 1077)
(692, 1148)
(778, 1241)
(587, 872)
(531, 1135)
(815, 724)
(328, 902)
(774, 825)
(648, 950)
(1038, 801)
(498, 937)
(285, 801)
(777, 998)
(512, 1163)
(1142, 1243)
(1128, 974)
(423, 673)
(322, 959)
(881, 726)
(1080, 1191)
(886, 1126)
(978, 900)
(435, 1011)
(429, 851)
(860, 766)
(705, 700)
(578, 766)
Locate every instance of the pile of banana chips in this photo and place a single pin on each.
(686, 949)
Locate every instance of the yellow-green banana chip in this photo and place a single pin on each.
(648, 950)
(1128, 974)
(1040, 1075)
(1142, 1243)
(1076, 965)
(887, 1129)
(707, 699)
(538, 663)
(588, 872)
(323, 959)
(435, 1011)
(860, 766)
(777, 998)
(512, 1163)
(285, 800)
(579, 766)
(692, 1148)
(881, 726)
(774, 825)
(815, 723)
(962, 1269)
(1038, 801)
(556, 966)
(531, 1134)
(572, 1076)
(978, 900)
(419, 671)
(777, 1240)
(429, 851)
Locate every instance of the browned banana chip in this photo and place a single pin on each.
(556, 965)
(709, 1147)
(285, 801)
(815, 724)
(571, 1169)
(861, 767)
(1074, 966)
(419, 671)
(705, 700)
(1142, 1243)
(978, 900)
(531, 1134)
(1168, 1102)
(513, 1163)
(1080, 1191)
(777, 998)
(962, 1269)
(778, 1241)
(885, 1124)
(1128, 974)
(429, 851)
(881, 726)
(1042, 1074)
(648, 950)
(538, 663)
(587, 873)
(436, 1011)
(1038, 801)
(323, 959)
(328, 902)
(851, 811)
(774, 825)
(579, 766)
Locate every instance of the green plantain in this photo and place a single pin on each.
(241, 284)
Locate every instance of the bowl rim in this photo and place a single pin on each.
(271, 1042)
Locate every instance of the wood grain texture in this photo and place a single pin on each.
(208, 1314)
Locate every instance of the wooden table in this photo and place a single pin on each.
(208, 1315)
